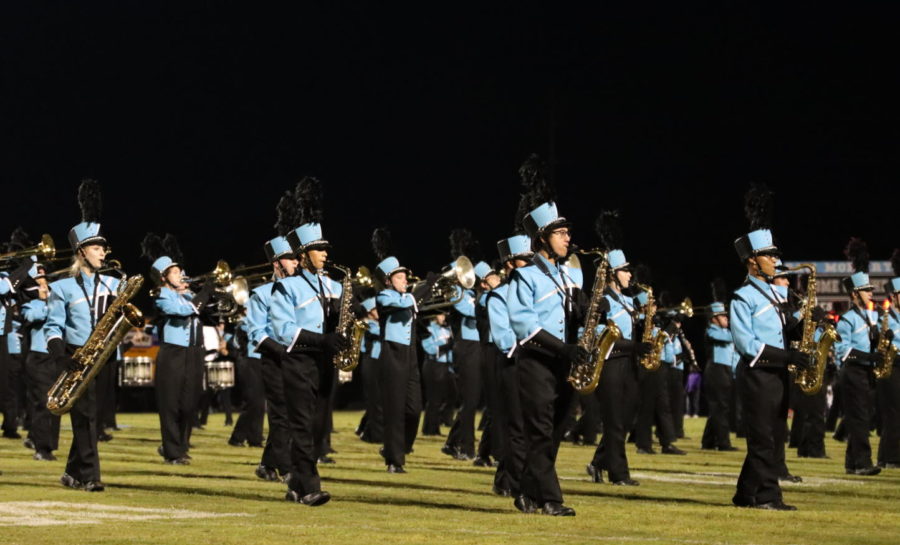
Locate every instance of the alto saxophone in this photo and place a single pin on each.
(886, 348)
(653, 360)
(104, 339)
(348, 326)
(585, 377)
(811, 378)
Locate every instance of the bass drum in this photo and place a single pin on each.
(137, 372)
(219, 374)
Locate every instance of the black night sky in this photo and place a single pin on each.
(195, 117)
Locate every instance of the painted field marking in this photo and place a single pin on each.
(724, 480)
(57, 513)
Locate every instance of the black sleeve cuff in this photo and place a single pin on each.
(270, 347)
(56, 347)
(859, 355)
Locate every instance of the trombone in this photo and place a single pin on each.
(45, 249)
(685, 307)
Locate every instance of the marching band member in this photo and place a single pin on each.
(249, 425)
(539, 306)
(718, 380)
(301, 310)
(617, 390)
(275, 463)
(466, 360)
(10, 366)
(76, 304)
(436, 371)
(757, 326)
(179, 362)
(491, 438)
(42, 369)
(514, 252)
(673, 359)
(790, 308)
(371, 426)
(856, 356)
(399, 377)
(889, 388)
(655, 394)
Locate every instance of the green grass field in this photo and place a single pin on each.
(217, 499)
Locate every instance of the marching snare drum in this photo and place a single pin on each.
(136, 372)
(219, 374)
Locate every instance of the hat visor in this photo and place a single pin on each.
(770, 250)
(93, 240)
(317, 245)
(398, 270)
(623, 267)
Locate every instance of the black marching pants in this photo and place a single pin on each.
(491, 438)
(654, 406)
(764, 399)
(106, 394)
(249, 425)
(809, 420)
(617, 394)
(889, 410)
(675, 381)
(436, 378)
(546, 399)
(401, 399)
(508, 421)
(302, 374)
(178, 371)
(718, 386)
(277, 453)
(10, 367)
(324, 408)
(84, 458)
(373, 427)
(467, 362)
(42, 371)
(857, 384)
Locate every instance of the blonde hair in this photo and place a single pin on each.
(77, 263)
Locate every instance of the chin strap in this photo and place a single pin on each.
(769, 279)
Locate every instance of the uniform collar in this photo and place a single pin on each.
(547, 263)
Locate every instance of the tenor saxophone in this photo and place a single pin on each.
(585, 377)
(810, 378)
(886, 348)
(120, 317)
(348, 326)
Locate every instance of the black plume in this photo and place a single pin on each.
(537, 185)
(173, 250)
(287, 214)
(308, 195)
(460, 243)
(152, 247)
(758, 206)
(381, 242)
(19, 240)
(643, 275)
(719, 289)
(858, 253)
(895, 261)
(89, 200)
(609, 229)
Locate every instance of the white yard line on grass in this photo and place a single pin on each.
(727, 480)
(56, 513)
